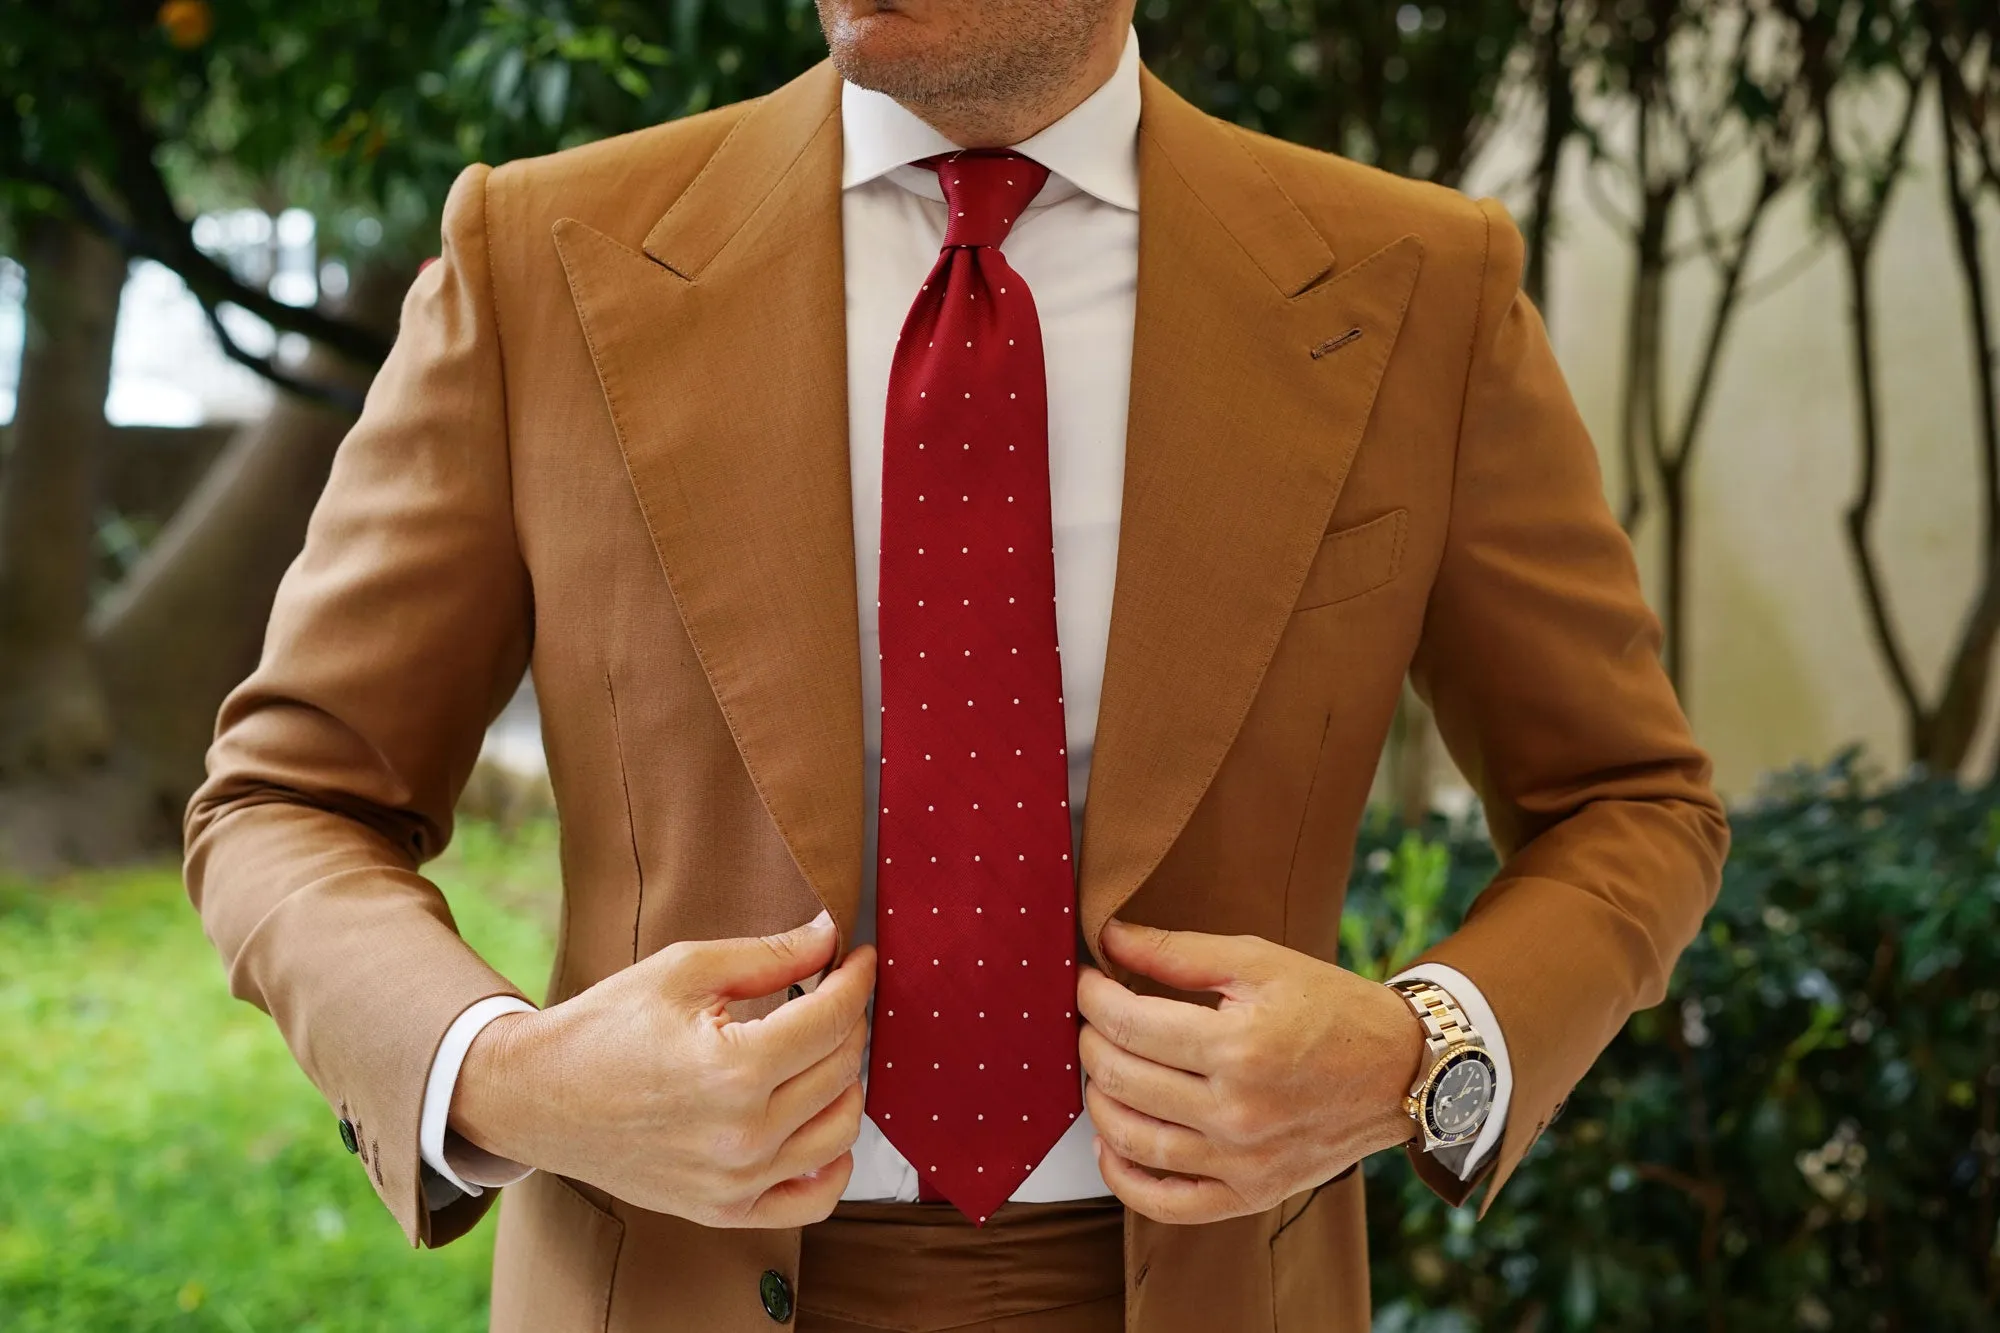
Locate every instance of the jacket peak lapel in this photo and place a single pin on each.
(1237, 445)
(721, 352)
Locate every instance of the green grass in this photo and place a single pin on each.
(163, 1162)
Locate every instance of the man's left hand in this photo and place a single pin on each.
(1206, 1113)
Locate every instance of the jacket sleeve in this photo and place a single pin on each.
(1540, 659)
(397, 635)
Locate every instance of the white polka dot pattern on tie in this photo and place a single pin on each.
(985, 357)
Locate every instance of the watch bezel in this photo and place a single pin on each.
(1426, 1094)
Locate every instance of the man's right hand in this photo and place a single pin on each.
(644, 1086)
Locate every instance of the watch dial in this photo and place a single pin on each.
(1461, 1098)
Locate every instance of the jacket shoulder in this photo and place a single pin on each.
(619, 186)
(1369, 208)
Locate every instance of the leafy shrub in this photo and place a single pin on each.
(1805, 1135)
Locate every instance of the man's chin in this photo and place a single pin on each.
(885, 49)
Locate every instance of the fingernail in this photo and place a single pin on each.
(825, 918)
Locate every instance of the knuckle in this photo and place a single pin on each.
(844, 1122)
(1116, 1136)
(722, 1189)
(1232, 1049)
(733, 1149)
(731, 1080)
(833, 1178)
(1238, 1121)
(1119, 1133)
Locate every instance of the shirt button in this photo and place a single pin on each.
(777, 1294)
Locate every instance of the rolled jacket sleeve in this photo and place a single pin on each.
(1540, 659)
(397, 635)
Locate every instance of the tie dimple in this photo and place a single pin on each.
(972, 1057)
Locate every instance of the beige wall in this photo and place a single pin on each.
(1782, 668)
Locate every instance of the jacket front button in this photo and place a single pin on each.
(347, 1139)
(777, 1294)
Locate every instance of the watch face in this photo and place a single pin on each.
(1461, 1095)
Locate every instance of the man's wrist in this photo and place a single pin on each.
(1462, 1080)
(1409, 1058)
(488, 1109)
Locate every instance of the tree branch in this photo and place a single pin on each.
(334, 395)
(107, 224)
(160, 233)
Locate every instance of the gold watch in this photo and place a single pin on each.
(1454, 1091)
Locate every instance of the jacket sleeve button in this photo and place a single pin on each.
(347, 1138)
(777, 1294)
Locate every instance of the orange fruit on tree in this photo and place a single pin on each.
(188, 23)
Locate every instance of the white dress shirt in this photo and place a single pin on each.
(1077, 247)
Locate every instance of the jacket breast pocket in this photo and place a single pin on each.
(1355, 560)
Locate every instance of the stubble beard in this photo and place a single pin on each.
(1019, 54)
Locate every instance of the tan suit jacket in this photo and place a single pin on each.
(611, 443)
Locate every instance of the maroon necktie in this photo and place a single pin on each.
(972, 1064)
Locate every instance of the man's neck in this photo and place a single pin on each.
(1003, 123)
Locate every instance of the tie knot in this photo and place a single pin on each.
(985, 190)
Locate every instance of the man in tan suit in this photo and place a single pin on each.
(657, 426)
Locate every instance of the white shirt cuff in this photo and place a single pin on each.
(465, 1167)
(1480, 1014)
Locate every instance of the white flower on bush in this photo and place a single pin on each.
(1834, 1170)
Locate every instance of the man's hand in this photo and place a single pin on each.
(644, 1086)
(1203, 1113)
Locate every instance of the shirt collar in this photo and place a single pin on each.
(1095, 148)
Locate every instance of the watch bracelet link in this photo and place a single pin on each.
(1443, 1020)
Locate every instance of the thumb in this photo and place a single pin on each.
(708, 971)
(1184, 959)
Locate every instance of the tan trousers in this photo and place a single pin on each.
(923, 1268)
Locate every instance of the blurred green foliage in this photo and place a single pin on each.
(354, 107)
(163, 1162)
(1805, 1135)
(1409, 87)
(365, 109)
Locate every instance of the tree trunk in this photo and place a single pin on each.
(188, 623)
(1558, 124)
(1858, 249)
(1639, 388)
(52, 715)
(1674, 575)
(1962, 707)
